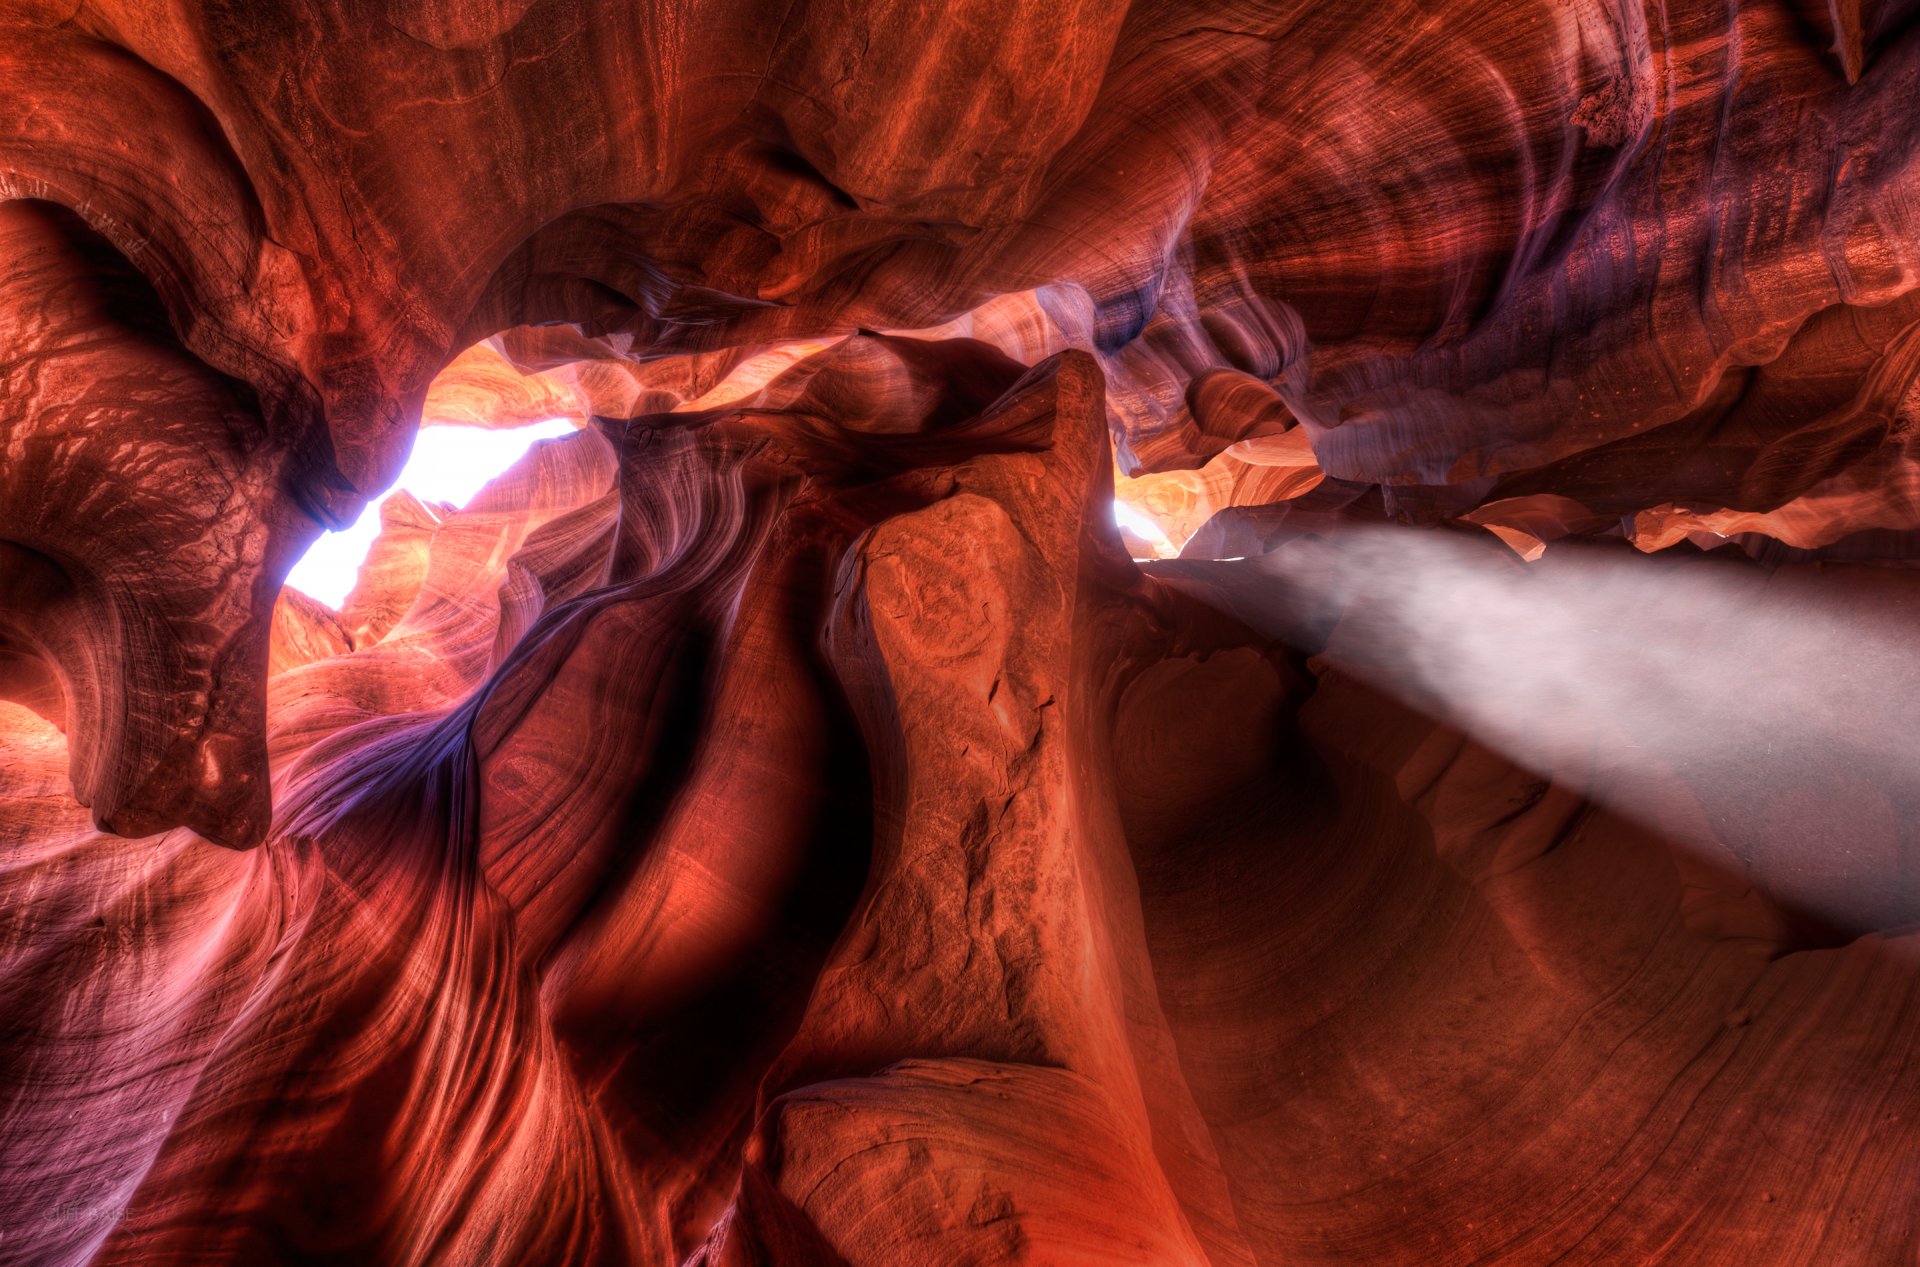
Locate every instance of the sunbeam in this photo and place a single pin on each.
(1767, 714)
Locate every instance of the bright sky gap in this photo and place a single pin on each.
(449, 464)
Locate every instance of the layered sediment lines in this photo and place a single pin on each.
(779, 822)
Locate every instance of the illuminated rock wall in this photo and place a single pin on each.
(779, 823)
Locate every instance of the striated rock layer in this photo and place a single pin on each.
(1464, 816)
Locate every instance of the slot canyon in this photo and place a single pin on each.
(1208, 633)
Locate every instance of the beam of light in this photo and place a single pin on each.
(449, 464)
(1143, 526)
(1769, 717)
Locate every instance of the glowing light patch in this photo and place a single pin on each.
(1139, 523)
(449, 464)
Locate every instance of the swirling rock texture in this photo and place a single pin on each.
(779, 823)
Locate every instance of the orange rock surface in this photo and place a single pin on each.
(787, 820)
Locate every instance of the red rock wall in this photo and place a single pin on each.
(778, 824)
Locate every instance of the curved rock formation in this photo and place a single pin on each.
(780, 823)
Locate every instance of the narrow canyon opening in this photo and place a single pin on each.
(449, 464)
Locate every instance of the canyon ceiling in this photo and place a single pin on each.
(1470, 813)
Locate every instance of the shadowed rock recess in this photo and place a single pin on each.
(1465, 810)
